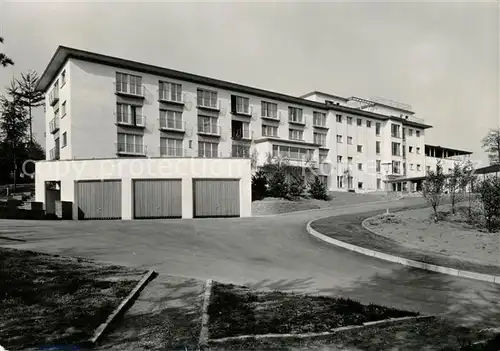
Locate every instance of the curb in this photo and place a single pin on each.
(386, 322)
(126, 302)
(203, 339)
(401, 260)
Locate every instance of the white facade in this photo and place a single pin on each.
(91, 128)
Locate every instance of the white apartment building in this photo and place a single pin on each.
(100, 107)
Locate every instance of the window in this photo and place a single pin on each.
(359, 122)
(418, 150)
(63, 78)
(293, 153)
(396, 167)
(295, 114)
(171, 147)
(240, 104)
(339, 118)
(418, 167)
(377, 166)
(295, 134)
(269, 109)
(410, 132)
(340, 181)
(240, 151)
(379, 183)
(349, 182)
(170, 91)
(349, 160)
(322, 158)
(377, 147)
(339, 138)
(319, 119)
(126, 83)
(360, 148)
(130, 143)
(208, 125)
(417, 132)
(377, 128)
(360, 166)
(395, 131)
(368, 124)
(269, 131)
(320, 138)
(129, 114)
(360, 185)
(349, 120)
(171, 120)
(63, 109)
(208, 150)
(65, 140)
(410, 149)
(396, 149)
(411, 166)
(240, 130)
(349, 140)
(339, 159)
(207, 98)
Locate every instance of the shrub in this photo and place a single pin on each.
(296, 187)
(433, 189)
(278, 185)
(259, 185)
(489, 195)
(318, 190)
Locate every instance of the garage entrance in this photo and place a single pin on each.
(158, 198)
(99, 199)
(216, 197)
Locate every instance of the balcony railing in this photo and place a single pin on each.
(208, 104)
(135, 90)
(172, 124)
(320, 125)
(172, 152)
(54, 154)
(209, 129)
(243, 111)
(295, 138)
(54, 125)
(131, 149)
(300, 121)
(127, 119)
(272, 116)
(240, 134)
(54, 96)
(396, 135)
(170, 96)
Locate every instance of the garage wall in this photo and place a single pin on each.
(126, 170)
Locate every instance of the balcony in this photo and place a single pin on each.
(292, 138)
(131, 149)
(208, 105)
(297, 121)
(320, 126)
(54, 125)
(396, 135)
(130, 90)
(240, 134)
(242, 111)
(272, 116)
(172, 152)
(169, 96)
(172, 125)
(130, 120)
(54, 154)
(209, 129)
(54, 96)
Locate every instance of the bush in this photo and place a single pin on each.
(259, 185)
(318, 190)
(278, 185)
(489, 195)
(296, 187)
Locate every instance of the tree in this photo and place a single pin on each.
(297, 186)
(433, 188)
(4, 59)
(489, 195)
(28, 95)
(317, 189)
(259, 185)
(491, 142)
(457, 181)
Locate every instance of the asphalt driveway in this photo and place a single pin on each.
(265, 252)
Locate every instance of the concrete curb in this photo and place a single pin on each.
(126, 302)
(203, 340)
(401, 260)
(384, 322)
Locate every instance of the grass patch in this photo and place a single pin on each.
(51, 300)
(235, 311)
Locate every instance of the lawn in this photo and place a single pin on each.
(48, 300)
(452, 236)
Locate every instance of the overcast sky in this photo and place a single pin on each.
(441, 58)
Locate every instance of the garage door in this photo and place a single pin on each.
(158, 198)
(99, 199)
(216, 198)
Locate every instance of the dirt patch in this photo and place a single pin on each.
(48, 300)
(452, 236)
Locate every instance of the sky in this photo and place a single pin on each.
(441, 58)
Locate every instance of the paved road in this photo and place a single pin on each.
(273, 252)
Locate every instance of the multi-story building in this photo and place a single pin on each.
(102, 107)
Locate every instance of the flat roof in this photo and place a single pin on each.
(488, 169)
(325, 94)
(64, 53)
(439, 147)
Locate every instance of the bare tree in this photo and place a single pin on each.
(433, 188)
(491, 142)
(4, 59)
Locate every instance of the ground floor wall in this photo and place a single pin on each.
(71, 174)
